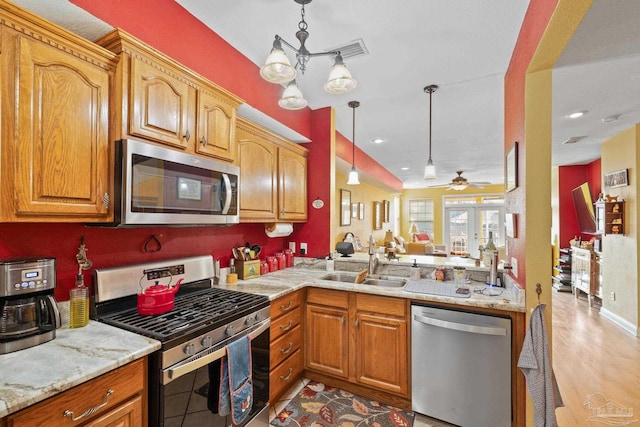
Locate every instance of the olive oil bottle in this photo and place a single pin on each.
(79, 304)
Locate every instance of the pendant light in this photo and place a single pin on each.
(353, 175)
(278, 69)
(430, 169)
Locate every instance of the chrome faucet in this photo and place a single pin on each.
(373, 259)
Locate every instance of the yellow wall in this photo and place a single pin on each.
(366, 194)
(620, 252)
(437, 194)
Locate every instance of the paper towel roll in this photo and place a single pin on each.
(279, 229)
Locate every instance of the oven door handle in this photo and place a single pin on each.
(184, 368)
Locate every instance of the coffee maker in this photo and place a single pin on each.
(28, 312)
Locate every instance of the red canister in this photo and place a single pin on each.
(264, 267)
(282, 262)
(272, 264)
(288, 256)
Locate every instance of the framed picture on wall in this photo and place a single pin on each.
(386, 207)
(360, 210)
(511, 168)
(354, 210)
(377, 216)
(345, 207)
(617, 178)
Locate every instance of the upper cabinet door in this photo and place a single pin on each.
(55, 132)
(258, 183)
(216, 126)
(161, 105)
(292, 185)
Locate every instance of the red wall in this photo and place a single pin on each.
(570, 177)
(534, 24)
(344, 150)
(166, 26)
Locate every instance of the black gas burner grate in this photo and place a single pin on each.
(192, 311)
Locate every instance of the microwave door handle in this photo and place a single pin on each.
(228, 193)
(54, 313)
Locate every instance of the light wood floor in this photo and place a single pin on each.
(591, 356)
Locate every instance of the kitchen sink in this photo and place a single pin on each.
(340, 277)
(389, 283)
(369, 280)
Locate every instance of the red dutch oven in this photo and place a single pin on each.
(157, 299)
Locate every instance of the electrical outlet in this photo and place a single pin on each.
(303, 248)
(613, 296)
(292, 246)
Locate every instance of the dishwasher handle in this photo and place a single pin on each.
(464, 327)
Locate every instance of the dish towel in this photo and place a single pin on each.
(236, 382)
(534, 362)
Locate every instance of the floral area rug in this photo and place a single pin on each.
(318, 405)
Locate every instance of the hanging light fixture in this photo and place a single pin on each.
(353, 175)
(292, 98)
(430, 169)
(278, 69)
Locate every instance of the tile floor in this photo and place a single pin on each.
(420, 420)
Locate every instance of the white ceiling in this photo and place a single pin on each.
(464, 47)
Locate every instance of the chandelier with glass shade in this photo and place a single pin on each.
(278, 68)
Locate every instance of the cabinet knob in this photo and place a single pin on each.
(187, 135)
(203, 141)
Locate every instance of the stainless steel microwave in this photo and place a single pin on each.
(160, 186)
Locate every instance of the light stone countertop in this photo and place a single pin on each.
(78, 355)
(309, 271)
(73, 357)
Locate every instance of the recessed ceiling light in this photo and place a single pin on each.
(377, 140)
(611, 119)
(405, 168)
(576, 114)
(573, 139)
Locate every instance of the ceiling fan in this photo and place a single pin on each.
(459, 183)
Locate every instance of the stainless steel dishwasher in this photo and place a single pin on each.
(461, 366)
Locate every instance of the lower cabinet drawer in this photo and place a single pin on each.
(108, 392)
(285, 346)
(285, 375)
(285, 324)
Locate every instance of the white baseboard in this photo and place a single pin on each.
(623, 323)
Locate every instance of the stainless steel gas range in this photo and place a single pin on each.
(184, 374)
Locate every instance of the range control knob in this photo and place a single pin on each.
(259, 317)
(190, 349)
(249, 321)
(229, 330)
(207, 341)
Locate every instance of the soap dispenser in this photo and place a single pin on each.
(330, 263)
(415, 271)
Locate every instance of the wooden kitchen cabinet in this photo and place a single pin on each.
(327, 332)
(382, 359)
(273, 176)
(286, 350)
(358, 340)
(165, 102)
(126, 405)
(55, 154)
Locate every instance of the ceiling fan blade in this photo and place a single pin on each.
(476, 184)
(439, 186)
